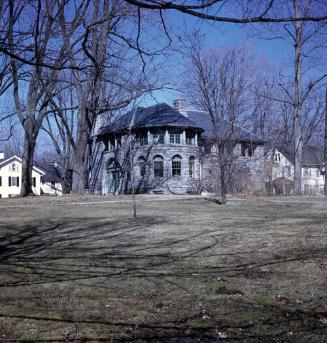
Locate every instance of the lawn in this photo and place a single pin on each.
(186, 270)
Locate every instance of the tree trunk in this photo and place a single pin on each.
(325, 146)
(222, 186)
(79, 171)
(66, 180)
(27, 166)
(298, 143)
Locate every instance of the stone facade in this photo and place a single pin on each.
(187, 181)
(199, 170)
(165, 152)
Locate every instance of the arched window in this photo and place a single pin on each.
(158, 166)
(191, 167)
(176, 167)
(142, 166)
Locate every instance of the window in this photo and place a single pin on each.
(158, 168)
(143, 139)
(34, 181)
(190, 140)
(0, 181)
(158, 138)
(53, 184)
(243, 149)
(175, 138)
(277, 157)
(250, 151)
(118, 140)
(306, 172)
(247, 149)
(142, 166)
(13, 181)
(111, 144)
(13, 167)
(176, 166)
(191, 166)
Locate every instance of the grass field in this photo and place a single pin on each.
(186, 270)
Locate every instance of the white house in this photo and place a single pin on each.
(280, 170)
(11, 176)
(51, 180)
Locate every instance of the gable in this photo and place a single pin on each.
(311, 156)
(18, 160)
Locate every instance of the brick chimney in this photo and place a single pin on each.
(180, 106)
(2, 155)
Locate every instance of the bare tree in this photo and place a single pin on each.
(306, 39)
(245, 12)
(35, 79)
(218, 83)
(60, 127)
(111, 79)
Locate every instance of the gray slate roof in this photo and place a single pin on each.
(52, 173)
(226, 128)
(154, 116)
(163, 115)
(311, 156)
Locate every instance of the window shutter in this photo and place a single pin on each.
(17, 181)
(9, 181)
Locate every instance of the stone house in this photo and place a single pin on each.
(160, 149)
(280, 170)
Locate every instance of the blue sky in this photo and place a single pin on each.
(276, 52)
(218, 35)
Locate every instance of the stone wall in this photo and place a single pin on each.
(168, 183)
(247, 173)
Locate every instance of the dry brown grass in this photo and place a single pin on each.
(186, 269)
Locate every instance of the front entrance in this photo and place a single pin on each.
(114, 177)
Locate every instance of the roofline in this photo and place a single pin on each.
(20, 160)
(151, 126)
(302, 164)
(233, 124)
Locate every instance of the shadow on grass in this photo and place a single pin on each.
(84, 249)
